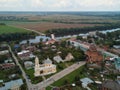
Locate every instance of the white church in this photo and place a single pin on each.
(44, 69)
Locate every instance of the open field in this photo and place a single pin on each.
(9, 29)
(46, 21)
(42, 27)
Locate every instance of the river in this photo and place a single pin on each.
(37, 38)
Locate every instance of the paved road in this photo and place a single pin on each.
(23, 72)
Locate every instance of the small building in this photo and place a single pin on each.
(118, 79)
(86, 82)
(110, 85)
(12, 76)
(25, 55)
(52, 41)
(116, 46)
(53, 48)
(69, 57)
(31, 48)
(44, 69)
(7, 66)
(8, 60)
(1, 83)
(12, 85)
(58, 59)
(117, 63)
(28, 64)
(92, 33)
(4, 52)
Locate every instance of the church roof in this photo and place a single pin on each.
(47, 61)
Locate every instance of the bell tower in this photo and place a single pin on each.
(37, 66)
(52, 36)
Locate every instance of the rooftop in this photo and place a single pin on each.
(47, 61)
(9, 85)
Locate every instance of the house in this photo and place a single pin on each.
(12, 85)
(44, 69)
(8, 60)
(28, 64)
(25, 55)
(116, 46)
(52, 40)
(110, 85)
(4, 52)
(86, 82)
(1, 83)
(7, 66)
(58, 59)
(117, 63)
(12, 76)
(69, 57)
(53, 48)
(94, 56)
(118, 79)
(92, 33)
(31, 48)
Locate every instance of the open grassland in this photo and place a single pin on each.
(4, 29)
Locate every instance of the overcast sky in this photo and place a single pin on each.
(59, 5)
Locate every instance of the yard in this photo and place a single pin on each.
(30, 74)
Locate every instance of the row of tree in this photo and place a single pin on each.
(72, 31)
(16, 36)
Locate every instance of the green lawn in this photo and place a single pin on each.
(33, 79)
(9, 29)
(70, 77)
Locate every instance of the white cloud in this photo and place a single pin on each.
(61, 5)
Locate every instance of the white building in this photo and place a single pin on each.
(25, 55)
(44, 69)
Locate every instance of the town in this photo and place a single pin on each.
(79, 62)
(59, 44)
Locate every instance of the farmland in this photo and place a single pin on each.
(42, 27)
(43, 23)
(4, 29)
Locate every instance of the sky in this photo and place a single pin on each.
(59, 5)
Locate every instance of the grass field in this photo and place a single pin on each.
(9, 29)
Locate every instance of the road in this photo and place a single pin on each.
(52, 79)
(29, 85)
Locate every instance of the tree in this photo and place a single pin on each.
(41, 39)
